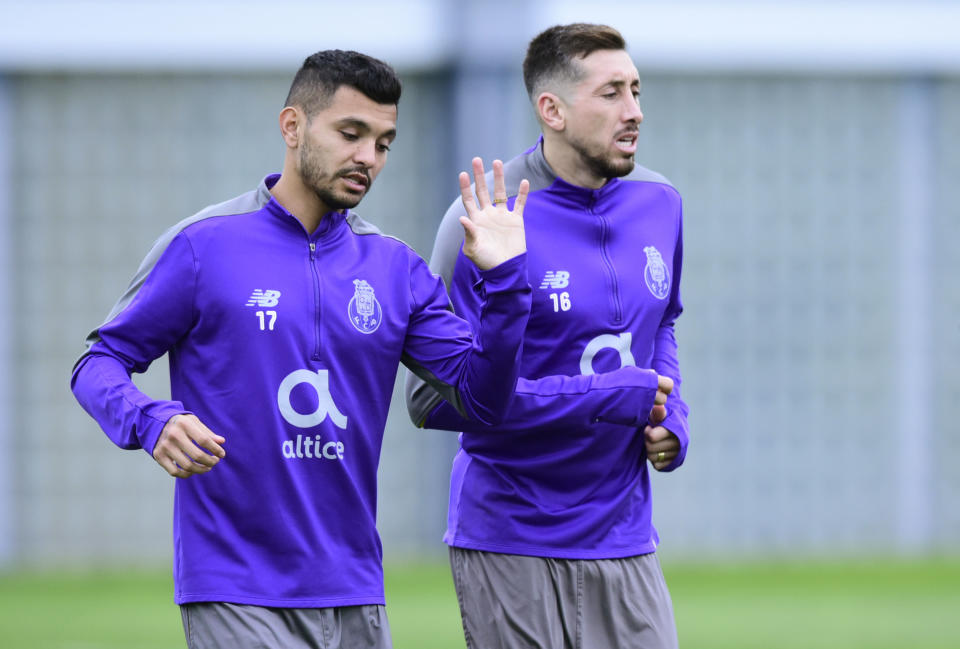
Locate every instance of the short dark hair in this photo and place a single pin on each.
(553, 53)
(323, 73)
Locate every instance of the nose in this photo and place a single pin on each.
(366, 152)
(632, 113)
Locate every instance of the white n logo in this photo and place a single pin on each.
(319, 381)
(264, 298)
(556, 279)
(620, 343)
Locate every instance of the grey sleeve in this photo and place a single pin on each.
(248, 202)
(446, 247)
(421, 398)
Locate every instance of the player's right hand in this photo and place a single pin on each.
(659, 411)
(187, 447)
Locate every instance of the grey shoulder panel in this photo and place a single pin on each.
(644, 175)
(249, 202)
(533, 166)
(359, 226)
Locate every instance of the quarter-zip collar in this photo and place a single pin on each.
(579, 196)
(329, 225)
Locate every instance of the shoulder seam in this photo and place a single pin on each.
(375, 231)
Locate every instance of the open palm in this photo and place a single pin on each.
(492, 233)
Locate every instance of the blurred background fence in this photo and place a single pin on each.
(817, 148)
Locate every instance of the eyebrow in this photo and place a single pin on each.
(619, 83)
(361, 125)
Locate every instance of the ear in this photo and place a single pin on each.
(291, 121)
(551, 110)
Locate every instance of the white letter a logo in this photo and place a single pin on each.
(320, 381)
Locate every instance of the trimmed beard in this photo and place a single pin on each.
(604, 166)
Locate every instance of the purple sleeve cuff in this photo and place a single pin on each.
(511, 275)
(676, 423)
(635, 390)
(155, 418)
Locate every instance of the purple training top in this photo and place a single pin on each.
(565, 474)
(288, 344)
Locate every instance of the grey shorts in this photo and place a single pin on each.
(217, 625)
(510, 601)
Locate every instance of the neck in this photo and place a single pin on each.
(299, 200)
(567, 163)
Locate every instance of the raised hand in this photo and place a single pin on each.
(492, 233)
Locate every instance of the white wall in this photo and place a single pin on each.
(860, 35)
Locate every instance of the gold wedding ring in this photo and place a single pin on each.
(660, 456)
(499, 201)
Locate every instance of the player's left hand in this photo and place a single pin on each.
(662, 446)
(492, 233)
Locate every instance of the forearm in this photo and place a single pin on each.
(666, 363)
(622, 397)
(130, 418)
(490, 371)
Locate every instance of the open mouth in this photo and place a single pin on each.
(356, 181)
(627, 142)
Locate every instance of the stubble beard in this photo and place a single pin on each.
(316, 178)
(604, 165)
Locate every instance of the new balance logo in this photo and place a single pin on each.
(264, 298)
(555, 279)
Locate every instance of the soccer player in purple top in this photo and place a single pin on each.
(285, 316)
(549, 522)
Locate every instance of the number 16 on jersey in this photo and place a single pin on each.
(561, 301)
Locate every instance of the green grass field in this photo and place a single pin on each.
(852, 605)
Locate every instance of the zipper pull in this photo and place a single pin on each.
(313, 249)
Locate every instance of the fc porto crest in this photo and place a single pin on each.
(364, 310)
(655, 274)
